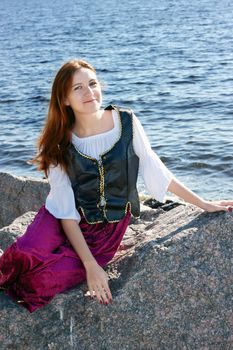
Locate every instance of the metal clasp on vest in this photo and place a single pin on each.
(101, 203)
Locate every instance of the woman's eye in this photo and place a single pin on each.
(93, 83)
(78, 87)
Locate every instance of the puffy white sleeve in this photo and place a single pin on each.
(155, 174)
(60, 201)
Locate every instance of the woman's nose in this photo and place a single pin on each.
(88, 90)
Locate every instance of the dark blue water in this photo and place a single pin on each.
(171, 61)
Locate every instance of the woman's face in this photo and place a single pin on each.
(85, 95)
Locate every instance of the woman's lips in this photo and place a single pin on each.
(92, 100)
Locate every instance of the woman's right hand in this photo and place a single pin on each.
(97, 282)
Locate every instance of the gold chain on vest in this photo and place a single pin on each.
(102, 202)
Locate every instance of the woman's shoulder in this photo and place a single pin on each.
(57, 175)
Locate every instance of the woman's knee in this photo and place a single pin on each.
(45, 233)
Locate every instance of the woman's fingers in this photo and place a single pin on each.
(227, 208)
(226, 203)
(223, 203)
(99, 295)
(94, 291)
(106, 293)
(91, 291)
(107, 289)
(102, 292)
(97, 281)
(109, 295)
(219, 208)
(213, 206)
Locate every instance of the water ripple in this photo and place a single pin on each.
(171, 62)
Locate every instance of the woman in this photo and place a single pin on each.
(91, 157)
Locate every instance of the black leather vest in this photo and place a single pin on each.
(105, 188)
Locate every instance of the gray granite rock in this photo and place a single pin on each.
(171, 282)
(19, 195)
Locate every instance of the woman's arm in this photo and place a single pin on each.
(187, 195)
(97, 278)
(61, 204)
(158, 179)
(155, 174)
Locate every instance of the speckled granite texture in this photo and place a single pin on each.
(171, 282)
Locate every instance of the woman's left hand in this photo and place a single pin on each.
(189, 196)
(212, 206)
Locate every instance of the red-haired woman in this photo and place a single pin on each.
(91, 157)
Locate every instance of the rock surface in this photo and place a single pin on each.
(19, 195)
(171, 282)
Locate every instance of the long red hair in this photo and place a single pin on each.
(56, 134)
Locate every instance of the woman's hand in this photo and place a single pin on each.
(97, 278)
(185, 193)
(217, 206)
(97, 282)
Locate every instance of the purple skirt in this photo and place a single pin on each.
(42, 263)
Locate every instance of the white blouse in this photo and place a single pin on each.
(60, 201)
